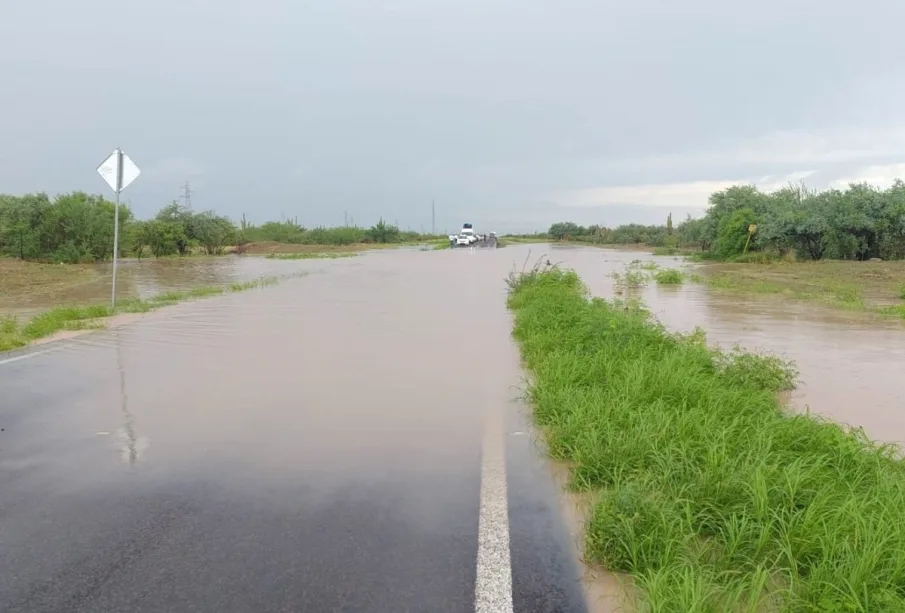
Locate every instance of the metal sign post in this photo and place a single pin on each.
(118, 171)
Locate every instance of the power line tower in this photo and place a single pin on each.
(433, 218)
(187, 194)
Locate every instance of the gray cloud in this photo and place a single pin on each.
(514, 114)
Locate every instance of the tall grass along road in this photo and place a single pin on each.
(704, 491)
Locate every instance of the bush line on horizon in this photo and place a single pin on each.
(745, 224)
(77, 227)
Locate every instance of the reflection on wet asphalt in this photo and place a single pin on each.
(317, 446)
(314, 446)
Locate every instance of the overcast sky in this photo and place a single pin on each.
(511, 114)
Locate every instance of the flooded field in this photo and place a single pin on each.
(850, 364)
(144, 278)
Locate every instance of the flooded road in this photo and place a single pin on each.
(345, 441)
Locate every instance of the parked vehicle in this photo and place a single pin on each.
(467, 237)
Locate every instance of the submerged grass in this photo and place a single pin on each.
(856, 286)
(631, 278)
(312, 256)
(13, 335)
(708, 493)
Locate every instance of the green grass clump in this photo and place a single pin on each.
(64, 318)
(708, 492)
(897, 310)
(902, 292)
(8, 325)
(10, 335)
(668, 276)
(631, 278)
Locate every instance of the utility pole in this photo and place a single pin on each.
(346, 218)
(187, 194)
(433, 218)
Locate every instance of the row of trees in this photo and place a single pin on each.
(858, 223)
(69, 228)
(78, 227)
(629, 234)
(291, 232)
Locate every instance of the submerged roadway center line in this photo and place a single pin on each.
(493, 584)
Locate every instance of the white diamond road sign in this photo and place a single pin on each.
(110, 172)
(119, 172)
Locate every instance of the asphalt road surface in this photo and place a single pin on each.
(347, 441)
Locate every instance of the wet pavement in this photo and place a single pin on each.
(314, 446)
(346, 441)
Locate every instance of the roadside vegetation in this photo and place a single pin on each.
(78, 228)
(15, 334)
(702, 487)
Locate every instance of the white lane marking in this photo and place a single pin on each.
(493, 587)
(34, 354)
